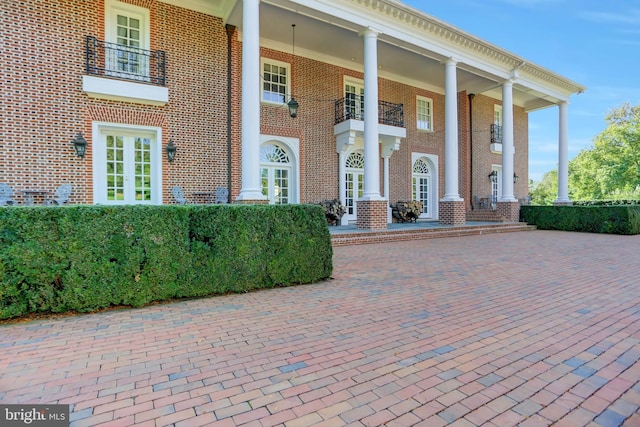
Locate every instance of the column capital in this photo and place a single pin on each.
(370, 32)
(450, 61)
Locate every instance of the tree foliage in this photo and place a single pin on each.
(545, 191)
(611, 168)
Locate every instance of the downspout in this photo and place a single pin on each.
(471, 96)
(230, 30)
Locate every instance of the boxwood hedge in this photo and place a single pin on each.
(85, 258)
(621, 219)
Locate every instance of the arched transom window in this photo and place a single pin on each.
(275, 172)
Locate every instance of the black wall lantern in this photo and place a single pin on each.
(171, 151)
(293, 107)
(493, 176)
(80, 144)
(515, 178)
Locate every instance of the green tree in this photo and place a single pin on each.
(611, 169)
(545, 191)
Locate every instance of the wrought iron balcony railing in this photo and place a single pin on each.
(125, 62)
(352, 108)
(496, 134)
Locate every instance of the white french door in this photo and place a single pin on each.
(126, 168)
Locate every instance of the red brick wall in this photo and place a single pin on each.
(42, 106)
(483, 158)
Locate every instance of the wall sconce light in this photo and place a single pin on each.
(80, 144)
(515, 178)
(293, 107)
(171, 151)
(493, 176)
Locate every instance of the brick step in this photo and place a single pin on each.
(485, 215)
(381, 236)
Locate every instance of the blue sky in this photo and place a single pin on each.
(592, 42)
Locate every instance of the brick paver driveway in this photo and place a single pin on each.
(530, 329)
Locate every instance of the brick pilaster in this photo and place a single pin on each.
(509, 210)
(452, 212)
(372, 214)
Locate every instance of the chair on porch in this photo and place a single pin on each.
(5, 195)
(61, 195)
(178, 195)
(222, 195)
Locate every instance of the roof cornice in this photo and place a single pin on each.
(396, 11)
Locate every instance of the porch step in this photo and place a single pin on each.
(485, 215)
(380, 236)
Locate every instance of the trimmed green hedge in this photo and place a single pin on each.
(85, 258)
(622, 219)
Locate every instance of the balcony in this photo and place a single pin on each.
(349, 123)
(352, 108)
(124, 73)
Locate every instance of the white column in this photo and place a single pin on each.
(451, 133)
(371, 137)
(507, 143)
(563, 155)
(251, 102)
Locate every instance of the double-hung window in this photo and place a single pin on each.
(424, 113)
(276, 83)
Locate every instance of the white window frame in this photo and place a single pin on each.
(429, 120)
(292, 147)
(114, 8)
(287, 67)
(434, 190)
(99, 160)
(497, 115)
(496, 187)
(358, 107)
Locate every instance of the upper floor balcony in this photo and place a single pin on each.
(349, 123)
(124, 73)
(352, 108)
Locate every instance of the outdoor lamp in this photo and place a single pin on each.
(493, 176)
(515, 178)
(80, 144)
(171, 151)
(293, 107)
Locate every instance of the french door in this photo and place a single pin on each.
(126, 168)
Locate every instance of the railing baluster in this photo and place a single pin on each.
(125, 62)
(350, 108)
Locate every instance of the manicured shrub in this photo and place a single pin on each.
(84, 258)
(611, 219)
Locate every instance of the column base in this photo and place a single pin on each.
(509, 210)
(372, 214)
(452, 212)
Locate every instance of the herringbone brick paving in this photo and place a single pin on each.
(528, 329)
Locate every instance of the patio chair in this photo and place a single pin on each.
(222, 195)
(61, 195)
(5, 195)
(178, 195)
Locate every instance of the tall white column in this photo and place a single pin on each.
(451, 192)
(371, 137)
(250, 102)
(507, 143)
(563, 155)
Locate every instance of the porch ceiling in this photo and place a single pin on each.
(411, 48)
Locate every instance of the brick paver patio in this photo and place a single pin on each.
(529, 329)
